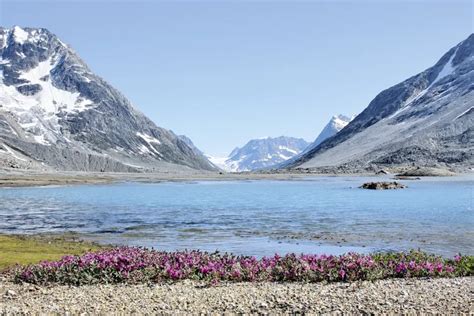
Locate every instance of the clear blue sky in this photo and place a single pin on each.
(225, 72)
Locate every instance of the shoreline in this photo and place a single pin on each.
(16, 178)
(35, 179)
(393, 296)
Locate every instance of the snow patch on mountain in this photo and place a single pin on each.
(19, 35)
(149, 139)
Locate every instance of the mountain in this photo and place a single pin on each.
(336, 123)
(190, 144)
(426, 120)
(56, 114)
(261, 153)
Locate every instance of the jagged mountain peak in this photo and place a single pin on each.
(336, 124)
(54, 109)
(339, 121)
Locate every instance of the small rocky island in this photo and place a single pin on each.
(383, 185)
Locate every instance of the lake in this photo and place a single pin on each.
(314, 215)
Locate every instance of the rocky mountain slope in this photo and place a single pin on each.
(426, 120)
(56, 114)
(261, 153)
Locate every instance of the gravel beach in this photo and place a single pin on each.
(412, 296)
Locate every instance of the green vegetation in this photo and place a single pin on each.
(16, 249)
(142, 265)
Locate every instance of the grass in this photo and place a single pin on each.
(16, 249)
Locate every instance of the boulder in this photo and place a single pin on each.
(383, 185)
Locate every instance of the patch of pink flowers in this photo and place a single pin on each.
(137, 265)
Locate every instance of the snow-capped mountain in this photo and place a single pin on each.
(55, 113)
(260, 154)
(336, 123)
(426, 120)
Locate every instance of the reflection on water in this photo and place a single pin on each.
(327, 214)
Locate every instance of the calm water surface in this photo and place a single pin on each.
(327, 214)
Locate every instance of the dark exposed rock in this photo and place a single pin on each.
(29, 89)
(383, 185)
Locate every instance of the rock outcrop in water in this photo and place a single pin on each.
(56, 114)
(383, 185)
(427, 120)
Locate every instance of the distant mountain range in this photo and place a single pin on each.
(426, 120)
(56, 114)
(261, 154)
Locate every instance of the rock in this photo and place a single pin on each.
(10, 294)
(383, 185)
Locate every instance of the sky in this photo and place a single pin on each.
(225, 72)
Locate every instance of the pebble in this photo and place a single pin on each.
(394, 296)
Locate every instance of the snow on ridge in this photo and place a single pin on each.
(463, 113)
(19, 35)
(284, 157)
(150, 149)
(149, 139)
(340, 121)
(288, 149)
(447, 70)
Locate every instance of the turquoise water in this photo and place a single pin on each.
(327, 214)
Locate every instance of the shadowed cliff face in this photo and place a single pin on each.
(55, 113)
(426, 120)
